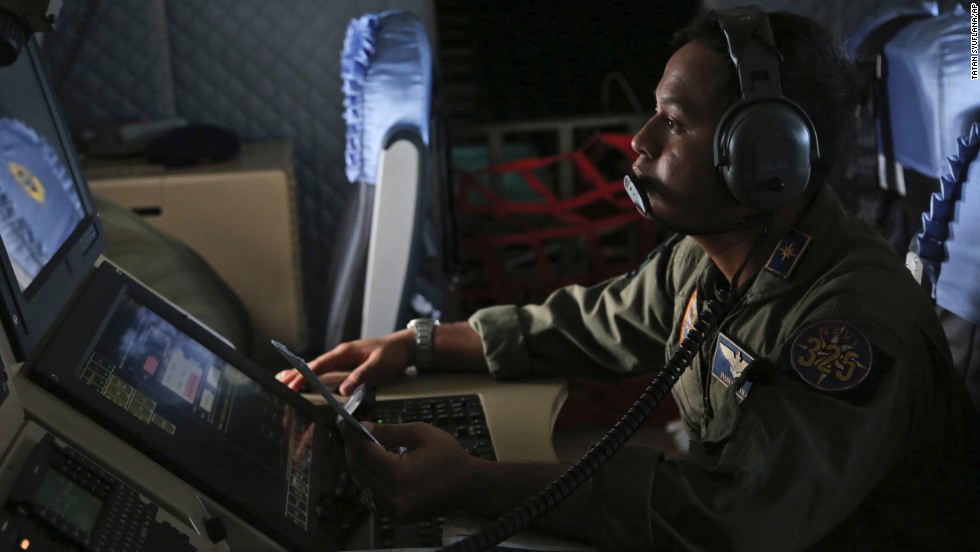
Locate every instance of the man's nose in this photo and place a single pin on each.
(646, 142)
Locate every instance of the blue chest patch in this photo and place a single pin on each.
(729, 362)
(832, 355)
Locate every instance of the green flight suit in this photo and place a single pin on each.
(824, 411)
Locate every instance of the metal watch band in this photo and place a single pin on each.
(424, 337)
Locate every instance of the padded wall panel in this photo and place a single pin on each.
(119, 70)
(267, 70)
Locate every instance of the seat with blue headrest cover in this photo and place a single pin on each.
(925, 105)
(948, 250)
(934, 108)
(390, 256)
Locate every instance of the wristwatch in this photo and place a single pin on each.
(425, 329)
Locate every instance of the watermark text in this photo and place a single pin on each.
(974, 53)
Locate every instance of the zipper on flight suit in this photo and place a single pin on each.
(705, 376)
(737, 299)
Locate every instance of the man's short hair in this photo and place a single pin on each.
(816, 72)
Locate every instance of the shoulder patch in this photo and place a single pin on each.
(788, 252)
(832, 355)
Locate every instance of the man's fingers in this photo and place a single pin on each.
(333, 379)
(363, 455)
(353, 379)
(295, 381)
(321, 363)
(360, 455)
(393, 436)
(350, 383)
(411, 484)
(354, 438)
(291, 378)
(341, 357)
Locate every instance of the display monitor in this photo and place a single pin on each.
(50, 232)
(140, 367)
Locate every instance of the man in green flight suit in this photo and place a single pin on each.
(822, 407)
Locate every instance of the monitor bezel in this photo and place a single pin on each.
(29, 314)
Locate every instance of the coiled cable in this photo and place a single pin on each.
(707, 320)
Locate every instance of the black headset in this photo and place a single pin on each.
(765, 144)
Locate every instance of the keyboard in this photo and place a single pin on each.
(462, 417)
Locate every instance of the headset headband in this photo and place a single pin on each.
(752, 48)
(765, 144)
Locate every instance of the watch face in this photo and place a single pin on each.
(423, 330)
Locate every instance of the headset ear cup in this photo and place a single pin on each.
(764, 151)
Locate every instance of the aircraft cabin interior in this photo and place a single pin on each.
(184, 184)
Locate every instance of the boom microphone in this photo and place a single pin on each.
(642, 203)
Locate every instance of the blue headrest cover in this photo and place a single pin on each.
(386, 66)
(868, 25)
(931, 96)
(949, 244)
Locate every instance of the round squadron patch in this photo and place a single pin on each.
(831, 355)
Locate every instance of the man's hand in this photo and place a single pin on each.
(435, 476)
(428, 479)
(362, 361)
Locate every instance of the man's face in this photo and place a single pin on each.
(676, 162)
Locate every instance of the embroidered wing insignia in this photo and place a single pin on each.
(735, 362)
(729, 362)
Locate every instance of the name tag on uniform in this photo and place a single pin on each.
(729, 362)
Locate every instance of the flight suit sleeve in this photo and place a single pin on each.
(775, 471)
(604, 331)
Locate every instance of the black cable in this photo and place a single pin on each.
(755, 244)
(709, 317)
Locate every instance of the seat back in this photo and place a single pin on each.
(389, 261)
(934, 108)
(926, 109)
(948, 251)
